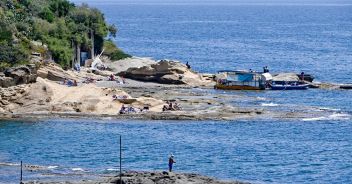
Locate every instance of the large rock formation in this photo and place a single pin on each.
(54, 72)
(125, 64)
(165, 72)
(18, 75)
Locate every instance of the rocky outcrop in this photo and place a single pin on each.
(286, 77)
(9, 95)
(18, 75)
(54, 72)
(153, 178)
(165, 72)
(167, 177)
(125, 64)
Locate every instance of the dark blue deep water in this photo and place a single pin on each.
(315, 38)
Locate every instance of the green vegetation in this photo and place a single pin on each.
(113, 52)
(60, 25)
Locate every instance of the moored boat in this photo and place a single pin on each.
(240, 80)
(288, 86)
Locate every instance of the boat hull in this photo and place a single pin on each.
(236, 87)
(289, 87)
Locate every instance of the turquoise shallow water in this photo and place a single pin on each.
(257, 151)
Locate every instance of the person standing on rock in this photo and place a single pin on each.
(171, 162)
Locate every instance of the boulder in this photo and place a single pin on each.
(125, 64)
(6, 82)
(54, 72)
(165, 72)
(19, 75)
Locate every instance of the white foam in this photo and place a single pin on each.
(77, 169)
(314, 119)
(52, 167)
(8, 164)
(261, 98)
(269, 104)
(335, 116)
(111, 169)
(328, 109)
(340, 116)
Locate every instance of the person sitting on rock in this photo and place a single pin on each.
(123, 110)
(177, 106)
(123, 80)
(69, 83)
(171, 162)
(170, 107)
(74, 83)
(112, 77)
(165, 108)
(131, 110)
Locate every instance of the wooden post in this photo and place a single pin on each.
(21, 179)
(120, 160)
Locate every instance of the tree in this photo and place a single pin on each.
(47, 15)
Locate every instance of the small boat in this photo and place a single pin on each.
(281, 85)
(346, 86)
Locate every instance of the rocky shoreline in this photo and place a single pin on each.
(48, 97)
(134, 177)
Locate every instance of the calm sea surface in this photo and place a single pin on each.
(257, 151)
(316, 39)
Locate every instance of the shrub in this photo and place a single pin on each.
(113, 52)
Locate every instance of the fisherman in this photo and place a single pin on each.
(188, 65)
(171, 162)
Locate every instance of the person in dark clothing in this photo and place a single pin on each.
(302, 76)
(171, 162)
(188, 66)
(266, 70)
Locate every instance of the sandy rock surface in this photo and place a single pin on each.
(54, 72)
(125, 64)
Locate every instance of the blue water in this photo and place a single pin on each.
(263, 152)
(314, 38)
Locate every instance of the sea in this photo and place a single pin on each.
(310, 36)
